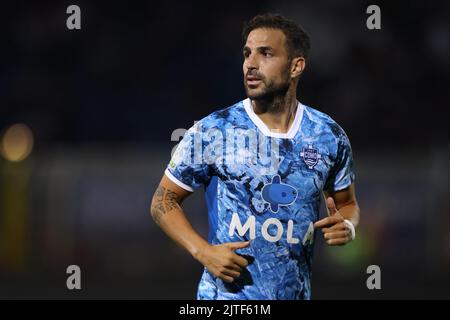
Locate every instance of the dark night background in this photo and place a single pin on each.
(103, 101)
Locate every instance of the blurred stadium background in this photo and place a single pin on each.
(86, 119)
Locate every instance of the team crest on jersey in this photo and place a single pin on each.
(278, 194)
(310, 155)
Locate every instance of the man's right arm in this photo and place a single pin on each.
(166, 211)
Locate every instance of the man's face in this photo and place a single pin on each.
(266, 64)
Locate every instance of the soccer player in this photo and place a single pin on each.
(264, 163)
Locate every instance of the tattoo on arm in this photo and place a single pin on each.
(164, 201)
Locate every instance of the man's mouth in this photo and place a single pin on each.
(252, 80)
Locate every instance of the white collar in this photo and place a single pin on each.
(265, 130)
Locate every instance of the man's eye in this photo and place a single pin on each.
(267, 54)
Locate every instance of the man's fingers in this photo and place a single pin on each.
(226, 278)
(328, 221)
(234, 266)
(336, 235)
(331, 206)
(338, 242)
(325, 222)
(240, 261)
(237, 245)
(341, 226)
(231, 273)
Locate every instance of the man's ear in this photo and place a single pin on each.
(298, 64)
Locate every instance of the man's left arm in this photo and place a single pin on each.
(343, 217)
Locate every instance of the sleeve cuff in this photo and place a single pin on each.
(178, 182)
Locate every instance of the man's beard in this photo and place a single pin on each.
(271, 91)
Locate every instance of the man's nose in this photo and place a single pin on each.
(251, 62)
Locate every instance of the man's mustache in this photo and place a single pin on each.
(254, 75)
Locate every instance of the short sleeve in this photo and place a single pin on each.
(342, 173)
(186, 167)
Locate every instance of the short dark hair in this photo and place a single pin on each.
(297, 40)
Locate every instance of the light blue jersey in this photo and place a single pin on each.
(266, 187)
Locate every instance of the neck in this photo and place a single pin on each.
(278, 113)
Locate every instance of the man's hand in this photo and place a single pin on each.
(222, 261)
(335, 230)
